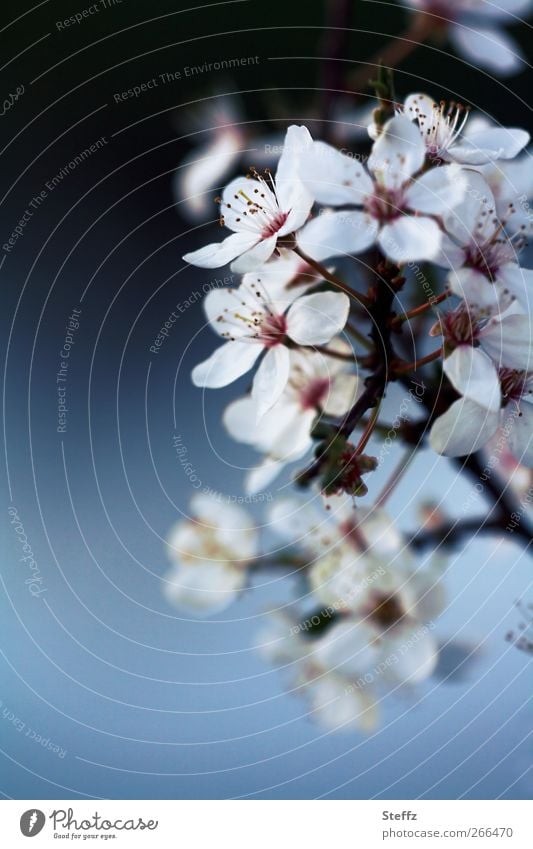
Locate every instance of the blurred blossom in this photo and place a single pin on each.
(475, 28)
(317, 384)
(329, 672)
(210, 551)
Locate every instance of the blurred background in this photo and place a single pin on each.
(107, 691)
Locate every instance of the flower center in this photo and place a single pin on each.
(488, 258)
(272, 330)
(257, 209)
(460, 327)
(385, 204)
(312, 395)
(386, 610)
(514, 384)
(442, 128)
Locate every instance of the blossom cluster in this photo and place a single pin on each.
(441, 192)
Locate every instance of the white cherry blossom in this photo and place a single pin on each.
(260, 316)
(328, 671)
(441, 126)
(482, 256)
(469, 424)
(210, 551)
(396, 209)
(475, 28)
(260, 210)
(317, 384)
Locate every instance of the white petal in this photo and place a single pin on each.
(410, 238)
(226, 364)
(420, 107)
(489, 47)
(218, 254)
(518, 283)
(347, 648)
(217, 512)
(204, 588)
(202, 172)
(476, 289)
(255, 257)
(463, 222)
(240, 419)
(398, 153)
(235, 199)
(261, 476)
(337, 234)
(315, 319)
(509, 342)
(473, 375)
(292, 195)
(489, 145)
(464, 428)
(220, 306)
(333, 177)
(271, 378)
(343, 393)
(340, 705)
(520, 430)
(413, 654)
(437, 191)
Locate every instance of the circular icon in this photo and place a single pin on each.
(32, 822)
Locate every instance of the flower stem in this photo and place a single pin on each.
(337, 355)
(396, 475)
(369, 428)
(399, 319)
(331, 278)
(402, 369)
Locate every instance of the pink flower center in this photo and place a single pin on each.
(385, 204)
(514, 384)
(273, 330)
(275, 224)
(312, 395)
(460, 327)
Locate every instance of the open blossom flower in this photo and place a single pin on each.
(490, 367)
(328, 671)
(396, 209)
(511, 184)
(393, 598)
(258, 318)
(469, 424)
(210, 552)
(475, 29)
(483, 257)
(317, 384)
(441, 127)
(260, 210)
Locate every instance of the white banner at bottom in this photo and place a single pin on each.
(268, 824)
